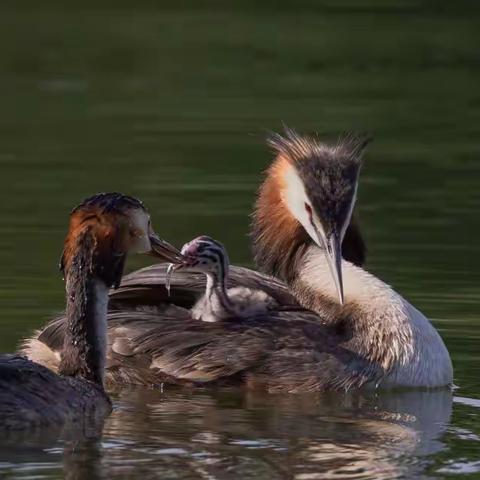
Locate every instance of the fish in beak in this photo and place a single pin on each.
(185, 262)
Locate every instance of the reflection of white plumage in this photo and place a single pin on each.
(205, 255)
(359, 436)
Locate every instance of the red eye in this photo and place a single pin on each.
(308, 208)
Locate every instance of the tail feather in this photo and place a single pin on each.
(38, 352)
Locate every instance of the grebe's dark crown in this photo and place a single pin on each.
(112, 202)
(303, 149)
(329, 173)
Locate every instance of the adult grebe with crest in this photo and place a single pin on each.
(103, 230)
(357, 330)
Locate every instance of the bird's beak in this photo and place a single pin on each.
(184, 263)
(333, 252)
(162, 249)
(334, 259)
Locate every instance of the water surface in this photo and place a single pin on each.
(171, 103)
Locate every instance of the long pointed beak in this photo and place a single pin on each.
(163, 250)
(334, 259)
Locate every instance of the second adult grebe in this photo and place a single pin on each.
(103, 230)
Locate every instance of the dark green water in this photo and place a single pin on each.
(171, 103)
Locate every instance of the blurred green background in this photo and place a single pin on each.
(170, 101)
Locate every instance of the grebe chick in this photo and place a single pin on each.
(208, 256)
(103, 230)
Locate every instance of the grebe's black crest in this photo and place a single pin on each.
(112, 202)
(297, 148)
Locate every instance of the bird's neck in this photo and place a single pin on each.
(84, 348)
(277, 236)
(216, 293)
(377, 322)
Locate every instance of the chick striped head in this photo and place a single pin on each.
(205, 255)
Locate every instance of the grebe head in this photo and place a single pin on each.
(119, 225)
(205, 255)
(318, 186)
(202, 255)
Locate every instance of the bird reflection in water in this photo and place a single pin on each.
(236, 434)
(231, 434)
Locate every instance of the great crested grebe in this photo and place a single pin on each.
(208, 256)
(360, 331)
(103, 230)
(312, 189)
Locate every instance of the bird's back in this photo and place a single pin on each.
(285, 350)
(33, 396)
(244, 303)
(147, 287)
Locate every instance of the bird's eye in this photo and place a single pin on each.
(308, 208)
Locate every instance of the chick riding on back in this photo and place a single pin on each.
(208, 256)
(358, 332)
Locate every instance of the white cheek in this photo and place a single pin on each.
(141, 245)
(295, 198)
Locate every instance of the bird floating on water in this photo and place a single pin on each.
(103, 230)
(355, 330)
